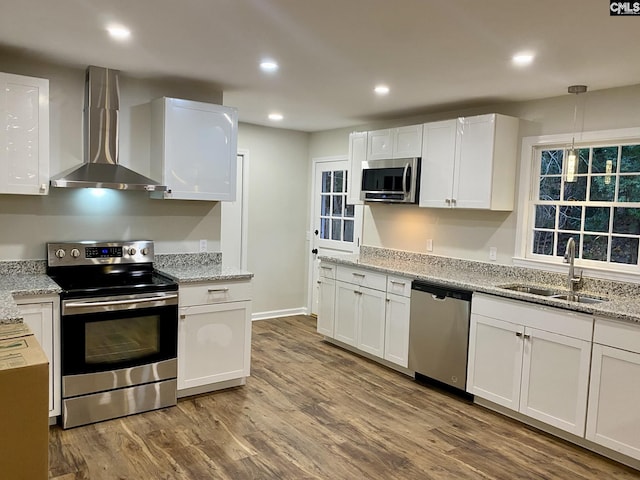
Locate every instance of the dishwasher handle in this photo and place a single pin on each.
(440, 291)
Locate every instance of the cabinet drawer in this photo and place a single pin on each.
(550, 319)
(622, 335)
(361, 277)
(399, 286)
(214, 292)
(327, 270)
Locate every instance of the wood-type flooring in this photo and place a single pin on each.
(311, 410)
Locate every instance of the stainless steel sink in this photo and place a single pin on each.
(579, 298)
(543, 292)
(554, 293)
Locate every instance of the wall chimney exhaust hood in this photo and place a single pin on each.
(100, 168)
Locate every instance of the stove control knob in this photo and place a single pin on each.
(60, 253)
(132, 251)
(144, 251)
(75, 253)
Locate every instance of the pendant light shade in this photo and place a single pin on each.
(571, 169)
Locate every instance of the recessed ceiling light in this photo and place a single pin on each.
(269, 66)
(119, 32)
(381, 90)
(276, 117)
(522, 58)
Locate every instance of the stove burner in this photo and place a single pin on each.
(122, 268)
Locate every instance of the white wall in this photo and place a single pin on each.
(469, 234)
(27, 223)
(278, 206)
(278, 187)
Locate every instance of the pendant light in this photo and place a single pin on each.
(572, 155)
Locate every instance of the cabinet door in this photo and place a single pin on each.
(407, 141)
(438, 156)
(39, 317)
(200, 150)
(346, 311)
(214, 343)
(326, 303)
(24, 135)
(379, 144)
(371, 321)
(495, 360)
(396, 338)
(473, 173)
(357, 154)
(555, 378)
(613, 419)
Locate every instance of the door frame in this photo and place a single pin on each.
(228, 227)
(357, 233)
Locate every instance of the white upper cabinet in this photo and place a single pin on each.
(24, 135)
(438, 158)
(471, 166)
(194, 149)
(402, 142)
(357, 154)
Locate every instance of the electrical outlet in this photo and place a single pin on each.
(430, 245)
(493, 253)
(203, 245)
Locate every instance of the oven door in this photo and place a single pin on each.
(109, 334)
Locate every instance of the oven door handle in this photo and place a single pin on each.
(108, 303)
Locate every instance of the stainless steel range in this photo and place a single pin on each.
(119, 324)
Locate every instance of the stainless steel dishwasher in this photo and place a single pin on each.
(439, 333)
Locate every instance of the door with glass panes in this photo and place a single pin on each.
(337, 224)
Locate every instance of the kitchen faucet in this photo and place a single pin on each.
(573, 282)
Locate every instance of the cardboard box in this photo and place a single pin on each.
(24, 405)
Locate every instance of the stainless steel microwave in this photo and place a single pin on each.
(395, 180)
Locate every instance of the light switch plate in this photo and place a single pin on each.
(493, 253)
(430, 245)
(203, 245)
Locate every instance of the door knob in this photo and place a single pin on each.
(316, 232)
(314, 251)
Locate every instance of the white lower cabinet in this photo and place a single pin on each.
(367, 310)
(346, 312)
(531, 359)
(613, 419)
(360, 317)
(42, 315)
(326, 299)
(396, 336)
(214, 335)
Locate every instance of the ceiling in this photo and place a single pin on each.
(435, 55)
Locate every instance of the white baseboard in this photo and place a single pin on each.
(289, 312)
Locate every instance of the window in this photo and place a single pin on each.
(336, 215)
(600, 208)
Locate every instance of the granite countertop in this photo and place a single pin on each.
(22, 284)
(197, 267)
(622, 304)
(203, 273)
(29, 278)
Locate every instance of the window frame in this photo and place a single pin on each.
(529, 177)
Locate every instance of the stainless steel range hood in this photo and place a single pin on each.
(100, 168)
